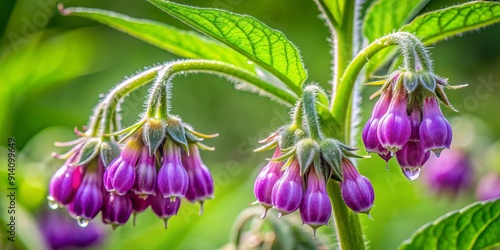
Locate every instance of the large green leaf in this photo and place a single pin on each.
(474, 227)
(439, 25)
(384, 17)
(182, 43)
(267, 47)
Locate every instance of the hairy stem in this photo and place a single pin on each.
(213, 67)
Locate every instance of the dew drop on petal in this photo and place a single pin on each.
(82, 222)
(411, 173)
(52, 203)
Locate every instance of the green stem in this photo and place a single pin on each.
(119, 92)
(348, 226)
(309, 106)
(213, 67)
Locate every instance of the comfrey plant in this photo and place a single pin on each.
(156, 162)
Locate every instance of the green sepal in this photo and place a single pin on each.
(410, 81)
(442, 97)
(88, 152)
(288, 136)
(192, 138)
(175, 130)
(154, 132)
(109, 150)
(287, 163)
(428, 81)
(198, 134)
(332, 156)
(204, 147)
(307, 151)
(284, 155)
(266, 147)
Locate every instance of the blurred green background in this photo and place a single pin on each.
(53, 69)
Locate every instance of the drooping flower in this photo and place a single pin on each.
(287, 192)
(88, 199)
(145, 174)
(369, 134)
(394, 128)
(316, 208)
(164, 208)
(435, 130)
(452, 172)
(411, 158)
(265, 181)
(116, 209)
(357, 190)
(201, 184)
(120, 174)
(173, 180)
(64, 183)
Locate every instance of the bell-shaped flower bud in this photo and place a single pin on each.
(451, 172)
(411, 158)
(488, 187)
(357, 191)
(394, 128)
(265, 181)
(173, 180)
(369, 134)
(145, 174)
(64, 184)
(164, 208)
(120, 174)
(435, 130)
(116, 209)
(201, 184)
(287, 192)
(88, 199)
(316, 208)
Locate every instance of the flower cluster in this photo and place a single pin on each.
(159, 165)
(296, 179)
(407, 121)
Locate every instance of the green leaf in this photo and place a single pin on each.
(474, 227)
(266, 47)
(439, 25)
(384, 17)
(182, 43)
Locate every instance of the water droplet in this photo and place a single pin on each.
(101, 96)
(279, 215)
(52, 203)
(265, 213)
(82, 222)
(249, 62)
(411, 173)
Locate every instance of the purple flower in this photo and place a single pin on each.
(265, 181)
(164, 207)
(435, 131)
(369, 134)
(316, 207)
(287, 192)
(116, 209)
(120, 174)
(451, 173)
(394, 128)
(201, 184)
(61, 232)
(415, 121)
(89, 198)
(145, 174)
(139, 204)
(173, 180)
(64, 184)
(357, 191)
(411, 158)
(489, 187)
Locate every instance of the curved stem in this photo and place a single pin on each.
(213, 67)
(119, 92)
(309, 106)
(343, 94)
